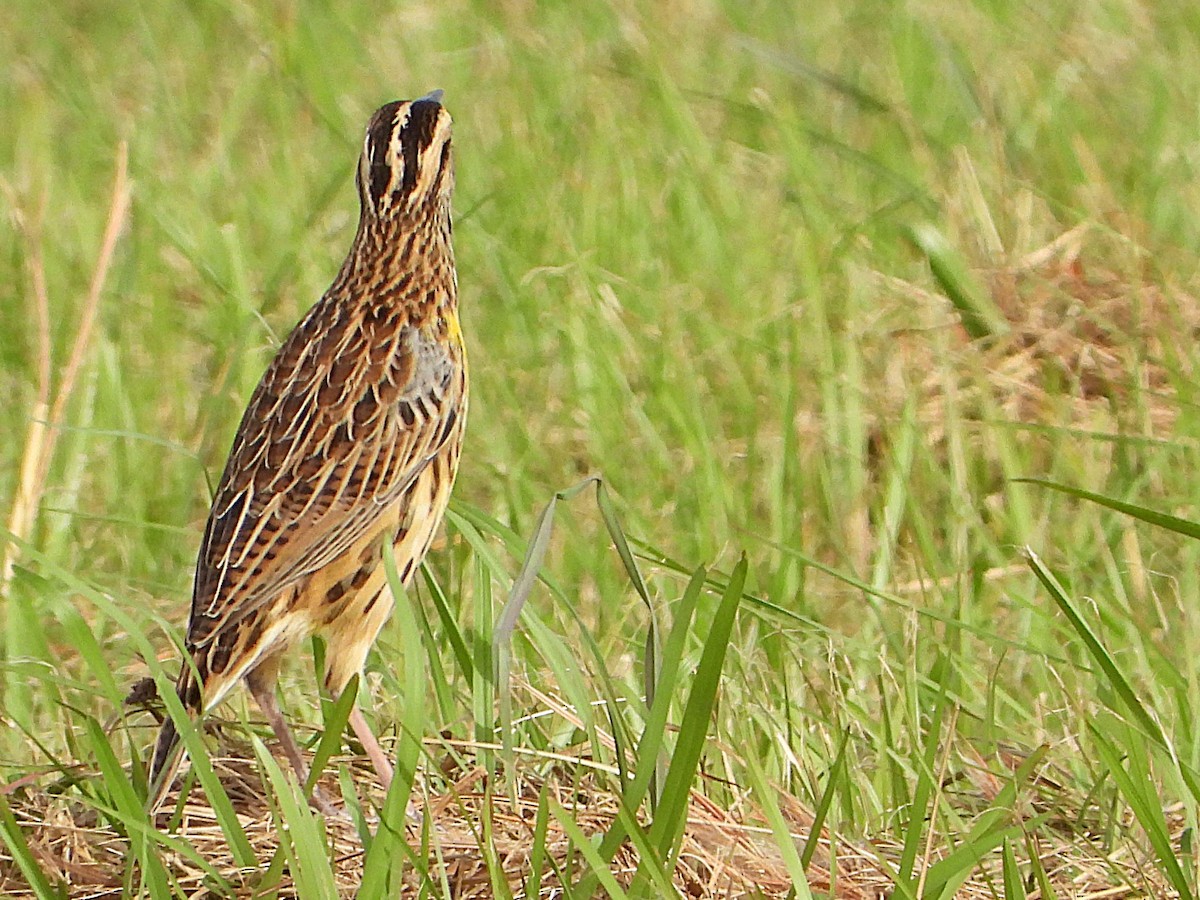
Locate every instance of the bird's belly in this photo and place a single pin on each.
(351, 620)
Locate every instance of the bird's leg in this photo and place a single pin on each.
(261, 682)
(379, 759)
(383, 767)
(346, 651)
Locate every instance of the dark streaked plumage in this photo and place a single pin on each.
(351, 437)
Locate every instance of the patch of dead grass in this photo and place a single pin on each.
(728, 851)
(1089, 347)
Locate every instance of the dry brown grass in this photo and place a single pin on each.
(727, 850)
(1090, 347)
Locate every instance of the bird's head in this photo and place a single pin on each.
(406, 166)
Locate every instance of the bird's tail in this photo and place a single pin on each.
(168, 754)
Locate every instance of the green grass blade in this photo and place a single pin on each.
(394, 817)
(552, 647)
(650, 746)
(1103, 659)
(336, 715)
(18, 847)
(528, 574)
(140, 828)
(649, 749)
(1014, 887)
(383, 866)
(537, 847)
(488, 846)
(201, 764)
(300, 833)
(613, 523)
(83, 639)
(990, 830)
(825, 803)
(598, 867)
(1137, 787)
(671, 815)
(415, 721)
(925, 764)
(980, 316)
(441, 682)
(1040, 877)
(651, 878)
(506, 622)
(128, 805)
(993, 827)
(1152, 517)
(784, 841)
(114, 778)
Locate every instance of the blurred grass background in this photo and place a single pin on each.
(685, 240)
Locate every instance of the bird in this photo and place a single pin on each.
(348, 449)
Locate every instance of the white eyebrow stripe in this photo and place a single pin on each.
(396, 149)
(426, 170)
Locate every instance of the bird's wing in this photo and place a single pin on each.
(342, 422)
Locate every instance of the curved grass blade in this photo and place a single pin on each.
(450, 627)
(222, 806)
(443, 691)
(510, 614)
(925, 762)
(1041, 877)
(1152, 517)
(995, 826)
(581, 842)
(991, 830)
(649, 775)
(1096, 650)
(1116, 679)
(652, 653)
(532, 565)
(126, 801)
(336, 715)
(649, 748)
(652, 878)
(826, 801)
(537, 850)
(382, 868)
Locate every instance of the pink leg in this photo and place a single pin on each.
(383, 767)
(379, 759)
(261, 682)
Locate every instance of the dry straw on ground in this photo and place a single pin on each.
(727, 850)
(1089, 347)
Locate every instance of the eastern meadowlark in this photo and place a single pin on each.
(351, 438)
